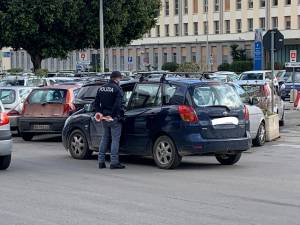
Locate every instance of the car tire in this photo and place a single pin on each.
(165, 153)
(78, 145)
(27, 136)
(228, 159)
(260, 139)
(5, 162)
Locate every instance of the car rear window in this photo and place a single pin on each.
(297, 78)
(216, 95)
(254, 90)
(47, 96)
(7, 96)
(9, 82)
(252, 76)
(34, 82)
(88, 92)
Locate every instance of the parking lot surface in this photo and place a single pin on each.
(45, 186)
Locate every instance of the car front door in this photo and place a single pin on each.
(141, 118)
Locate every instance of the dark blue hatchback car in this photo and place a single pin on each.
(170, 119)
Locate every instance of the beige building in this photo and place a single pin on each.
(186, 27)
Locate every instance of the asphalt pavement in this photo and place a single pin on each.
(45, 186)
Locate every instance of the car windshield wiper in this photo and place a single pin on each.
(219, 106)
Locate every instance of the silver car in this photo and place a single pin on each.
(12, 99)
(256, 116)
(5, 140)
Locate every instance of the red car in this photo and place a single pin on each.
(46, 110)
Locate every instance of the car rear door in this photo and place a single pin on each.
(220, 111)
(141, 119)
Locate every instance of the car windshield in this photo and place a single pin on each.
(252, 76)
(14, 82)
(7, 96)
(253, 90)
(47, 96)
(297, 78)
(216, 95)
(34, 82)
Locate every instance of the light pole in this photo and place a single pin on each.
(102, 55)
(207, 45)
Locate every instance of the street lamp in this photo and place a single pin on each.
(102, 55)
(207, 44)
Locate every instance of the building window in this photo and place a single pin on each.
(287, 21)
(196, 28)
(122, 60)
(176, 29)
(174, 55)
(227, 5)
(298, 22)
(157, 31)
(274, 2)
(227, 26)
(165, 55)
(176, 7)
(186, 7)
(250, 4)
(186, 29)
(217, 27)
(183, 55)
(239, 26)
(167, 8)
(194, 54)
(205, 6)
(262, 23)
(217, 5)
(155, 58)
(205, 26)
(238, 4)
(250, 24)
(262, 3)
(274, 22)
(288, 2)
(167, 30)
(195, 6)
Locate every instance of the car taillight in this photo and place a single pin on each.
(23, 109)
(4, 120)
(246, 113)
(187, 114)
(13, 113)
(69, 108)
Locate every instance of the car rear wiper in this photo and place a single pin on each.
(219, 106)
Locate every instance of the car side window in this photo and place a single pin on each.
(145, 95)
(173, 95)
(269, 75)
(242, 93)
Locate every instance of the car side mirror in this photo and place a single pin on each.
(254, 101)
(89, 107)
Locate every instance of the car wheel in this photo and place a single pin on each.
(165, 153)
(5, 162)
(260, 139)
(27, 136)
(228, 159)
(78, 145)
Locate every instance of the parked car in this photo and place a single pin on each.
(88, 92)
(264, 75)
(12, 99)
(289, 85)
(46, 110)
(263, 92)
(224, 76)
(169, 120)
(256, 116)
(22, 81)
(5, 140)
(282, 77)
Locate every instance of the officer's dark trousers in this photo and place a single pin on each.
(111, 130)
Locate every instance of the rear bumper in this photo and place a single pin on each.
(26, 125)
(5, 147)
(14, 122)
(193, 144)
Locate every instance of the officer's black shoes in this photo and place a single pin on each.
(117, 166)
(102, 165)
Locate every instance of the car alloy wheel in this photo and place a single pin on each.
(78, 145)
(165, 153)
(260, 139)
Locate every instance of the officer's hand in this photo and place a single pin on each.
(98, 117)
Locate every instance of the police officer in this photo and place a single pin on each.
(109, 110)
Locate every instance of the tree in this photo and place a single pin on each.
(53, 28)
(170, 66)
(189, 67)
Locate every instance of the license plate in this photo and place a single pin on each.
(41, 127)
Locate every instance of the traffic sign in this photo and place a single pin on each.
(293, 56)
(83, 56)
(258, 50)
(278, 40)
(292, 64)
